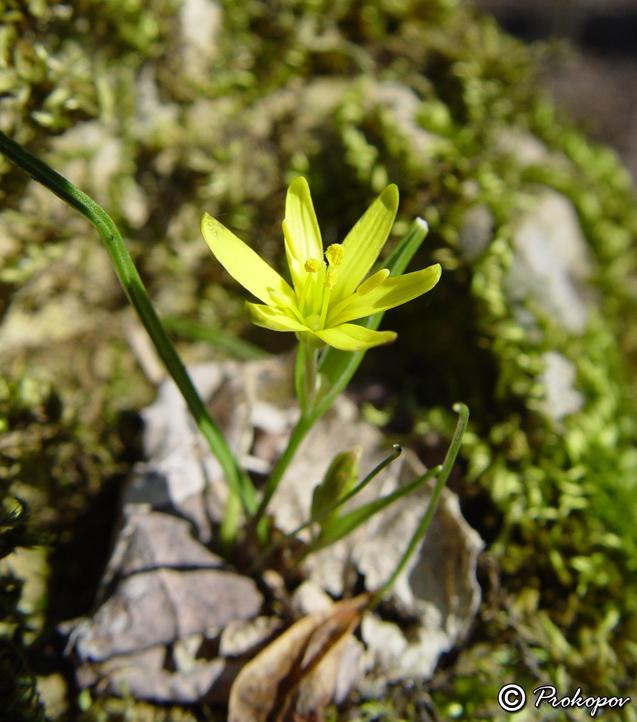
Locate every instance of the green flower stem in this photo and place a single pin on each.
(303, 425)
(420, 532)
(311, 370)
(299, 376)
(131, 282)
(335, 368)
(305, 376)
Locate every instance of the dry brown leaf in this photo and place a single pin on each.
(294, 677)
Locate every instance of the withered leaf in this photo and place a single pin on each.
(294, 677)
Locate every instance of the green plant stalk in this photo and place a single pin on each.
(311, 375)
(303, 425)
(133, 286)
(299, 378)
(441, 480)
(328, 510)
(305, 376)
(335, 367)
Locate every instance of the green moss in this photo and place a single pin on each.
(17, 690)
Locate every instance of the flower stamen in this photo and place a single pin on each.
(330, 278)
(312, 266)
(334, 254)
(328, 283)
(327, 291)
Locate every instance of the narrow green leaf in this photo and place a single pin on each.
(133, 286)
(463, 419)
(345, 524)
(196, 331)
(329, 509)
(339, 480)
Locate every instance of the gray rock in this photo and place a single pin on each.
(403, 103)
(558, 379)
(201, 21)
(164, 605)
(526, 149)
(476, 231)
(552, 263)
(165, 595)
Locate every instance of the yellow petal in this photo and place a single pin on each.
(389, 293)
(241, 262)
(350, 337)
(301, 229)
(273, 318)
(364, 242)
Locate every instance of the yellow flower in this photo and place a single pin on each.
(325, 294)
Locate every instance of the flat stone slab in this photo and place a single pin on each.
(174, 623)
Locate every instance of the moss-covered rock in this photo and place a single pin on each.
(162, 110)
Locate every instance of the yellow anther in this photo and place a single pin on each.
(334, 254)
(312, 265)
(372, 282)
(330, 278)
